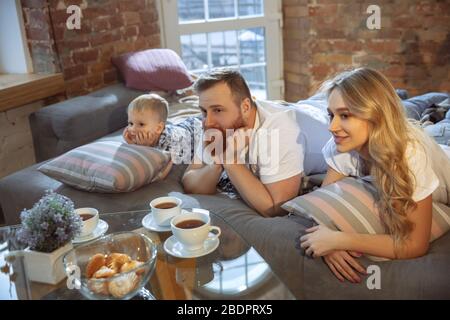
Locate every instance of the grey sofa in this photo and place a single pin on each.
(66, 125)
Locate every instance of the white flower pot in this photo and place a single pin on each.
(46, 267)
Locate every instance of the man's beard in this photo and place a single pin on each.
(237, 124)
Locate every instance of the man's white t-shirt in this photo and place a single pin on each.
(349, 163)
(286, 141)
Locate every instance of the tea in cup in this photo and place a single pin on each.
(192, 230)
(164, 209)
(89, 217)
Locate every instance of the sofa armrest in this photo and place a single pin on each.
(66, 125)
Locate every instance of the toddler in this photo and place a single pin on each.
(148, 126)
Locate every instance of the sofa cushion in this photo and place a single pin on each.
(440, 132)
(415, 106)
(154, 69)
(273, 238)
(74, 122)
(348, 205)
(107, 166)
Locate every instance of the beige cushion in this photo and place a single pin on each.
(107, 166)
(348, 205)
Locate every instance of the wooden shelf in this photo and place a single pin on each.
(19, 89)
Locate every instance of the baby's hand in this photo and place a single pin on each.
(149, 139)
(127, 136)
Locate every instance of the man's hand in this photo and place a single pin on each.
(234, 151)
(237, 146)
(212, 147)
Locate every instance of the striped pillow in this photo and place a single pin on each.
(107, 166)
(348, 205)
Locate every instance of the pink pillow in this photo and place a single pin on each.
(154, 69)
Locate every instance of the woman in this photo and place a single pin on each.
(372, 137)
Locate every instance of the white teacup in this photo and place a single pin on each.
(90, 218)
(192, 229)
(163, 212)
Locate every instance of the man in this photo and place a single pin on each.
(274, 145)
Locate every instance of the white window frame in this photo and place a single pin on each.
(271, 21)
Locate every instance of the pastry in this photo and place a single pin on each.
(98, 287)
(116, 260)
(132, 265)
(104, 272)
(102, 266)
(95, 263)
(122, 285)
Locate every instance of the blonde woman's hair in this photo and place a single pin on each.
(150, 102)
(370, 96)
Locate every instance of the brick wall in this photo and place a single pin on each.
(108, 28)
(322, 37)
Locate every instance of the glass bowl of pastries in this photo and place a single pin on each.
(115, 267)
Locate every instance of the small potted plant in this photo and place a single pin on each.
(48, 229)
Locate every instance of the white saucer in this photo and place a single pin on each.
(100, 230)
(149, 223)
(176, 249)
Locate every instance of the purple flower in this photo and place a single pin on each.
(50, 224)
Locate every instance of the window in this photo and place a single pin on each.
(14, 55)
(241, 34)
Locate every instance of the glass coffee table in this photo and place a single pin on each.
(233, 271)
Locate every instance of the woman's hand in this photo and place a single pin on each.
(344, 265)
(319, 241)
